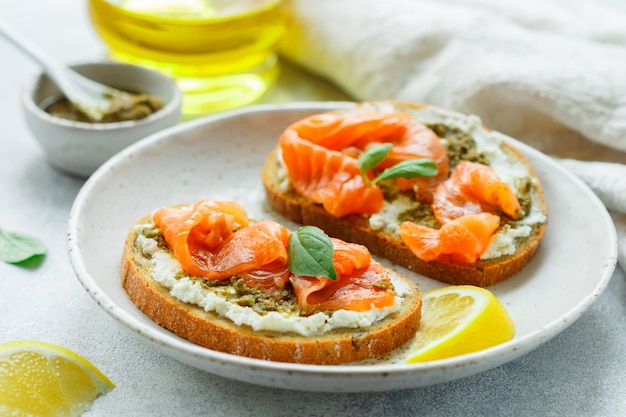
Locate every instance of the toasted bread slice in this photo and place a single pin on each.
(518, 247)
(153, 294)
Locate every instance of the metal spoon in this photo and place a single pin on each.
(90, 97)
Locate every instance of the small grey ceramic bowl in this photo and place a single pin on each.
(79, 148)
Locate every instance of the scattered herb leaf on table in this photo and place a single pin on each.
(16, 247)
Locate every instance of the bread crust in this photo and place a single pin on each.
(355, 228)
(212, 331)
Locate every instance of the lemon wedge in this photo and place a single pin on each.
(457, 320)
(40, 379)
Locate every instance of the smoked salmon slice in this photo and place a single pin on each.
(320, 153)
(362, 283)
(329, 177)
(193, 233)
(464, 239)
(473, 188)
(215, 240)
(271, 278)
(466, 206)
(339, 131)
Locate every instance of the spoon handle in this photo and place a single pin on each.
(25, 45)
(89, 95)
(52, 68)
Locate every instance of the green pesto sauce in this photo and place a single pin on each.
(459, 144)
(420, 213)
(139, 107)
(262, 302)
(524, 189)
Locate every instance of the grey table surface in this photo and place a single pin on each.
(580, 372)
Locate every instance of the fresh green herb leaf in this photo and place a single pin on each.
(310, 253)
(411, 168)
(373, 155)
(16, 247)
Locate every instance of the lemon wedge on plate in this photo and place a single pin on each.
(457, 320)
(40, 379)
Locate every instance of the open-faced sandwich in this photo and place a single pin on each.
(212, 276)
(427, 188)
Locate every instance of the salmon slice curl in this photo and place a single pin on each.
(474, 188)
(329, 178)
(270, 278)
(362, 283)
(320, 154)
(463, 239)
(213, 239)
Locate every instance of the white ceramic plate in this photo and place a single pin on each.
(222, 156)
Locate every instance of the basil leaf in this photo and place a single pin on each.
(310, 253)
(16, 247)
(411, 168)
(373, 155)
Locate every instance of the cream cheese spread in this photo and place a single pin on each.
(166, 270)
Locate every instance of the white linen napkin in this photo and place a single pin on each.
(549, 72)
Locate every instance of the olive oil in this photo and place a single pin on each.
(222, 53)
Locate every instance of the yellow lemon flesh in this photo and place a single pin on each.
(457, 320)
(40, 379)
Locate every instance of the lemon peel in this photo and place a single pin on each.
(42, 379)
(457, 320)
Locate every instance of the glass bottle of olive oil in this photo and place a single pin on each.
(221, 52)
